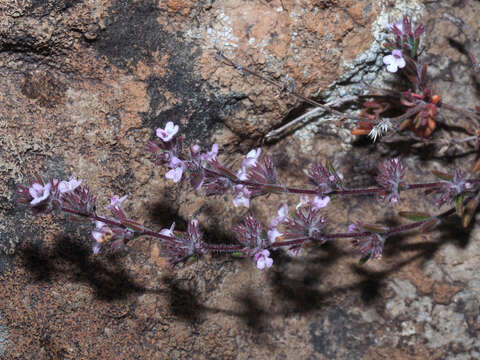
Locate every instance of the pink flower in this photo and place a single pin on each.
(394, 61)
(168, 133)
(242, 196)
(211, 155)
(320, 202)
(115, 201)
(262, 259)
(176, 173)
(67, 186)
(39, 192)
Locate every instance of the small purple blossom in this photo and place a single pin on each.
(273, 234)
(115, 201)
(67, 186)
(251, 158)
(282, 214)
(168, 133)
(177, 167)
(210, 155)
(242, 196)
(262, 259)
(320, 201)
(39, 193)
(394, 61)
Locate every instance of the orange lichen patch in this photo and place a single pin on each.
(181, 6)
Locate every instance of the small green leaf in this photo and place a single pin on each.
(238, 254)
(414, 216)
(459, 205)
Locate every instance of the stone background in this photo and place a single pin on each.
(84, 84)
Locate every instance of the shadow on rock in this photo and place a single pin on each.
(72, 260)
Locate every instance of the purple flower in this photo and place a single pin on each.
(210, 155)
(242, 196)
(394, 61)
(282, 214)
(262, 259)
(39, 192)
(115, 201)
(273, 234)
(252, 158)
(353, 228)
(67, 186)
(168, 133)
(101, 234)
(177, 167)
(319, 202)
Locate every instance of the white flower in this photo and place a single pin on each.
(67, 186)
(39, 192)
(394, 61)
(168, 232)
(168, 133)
(262, 259)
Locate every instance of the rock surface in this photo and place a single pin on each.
(83, 87)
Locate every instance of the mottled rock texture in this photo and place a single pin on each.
(83, 85)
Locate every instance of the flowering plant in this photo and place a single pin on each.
(256, 176)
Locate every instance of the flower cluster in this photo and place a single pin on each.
(452, 187)
(252, 235)
(370, 240)
(406, 37)
(390, 177)
(325, 178)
